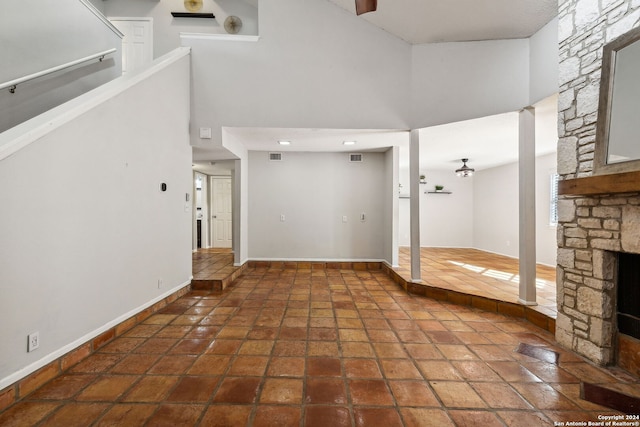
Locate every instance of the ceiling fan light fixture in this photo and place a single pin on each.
(364, 6)
(465, 171)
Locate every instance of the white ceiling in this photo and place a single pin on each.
(435, 21)
(487, 142)
(308, 140)
(318, 140)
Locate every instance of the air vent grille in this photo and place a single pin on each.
(275, 157)
(355, 157)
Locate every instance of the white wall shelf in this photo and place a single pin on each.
(192, 15)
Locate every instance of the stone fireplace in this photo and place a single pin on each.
(593, 232)
(596, 225)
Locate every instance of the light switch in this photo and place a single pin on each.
(362, 217)
(205, 133)
(344, 218)
(281, 217)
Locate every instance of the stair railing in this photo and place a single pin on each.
(13, 84)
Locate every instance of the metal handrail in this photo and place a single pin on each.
(14, 83)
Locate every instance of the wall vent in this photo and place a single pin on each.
(355, 157)
(275, 157)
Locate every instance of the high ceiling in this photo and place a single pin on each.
(487, 142)
(435, 21)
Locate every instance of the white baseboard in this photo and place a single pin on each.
(18, 375)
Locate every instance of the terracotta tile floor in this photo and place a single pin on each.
(469, 271)
(480, 273)
(319, 348)
(212, 264)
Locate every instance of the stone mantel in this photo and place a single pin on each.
(617, 183)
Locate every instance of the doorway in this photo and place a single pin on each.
(137, 43)
(221, 212)
(201, 212)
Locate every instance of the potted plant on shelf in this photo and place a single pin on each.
(423, 179)
(439, 188)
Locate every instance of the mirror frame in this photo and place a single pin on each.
(600, 165)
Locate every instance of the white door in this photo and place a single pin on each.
(221, 211)
(137, 44)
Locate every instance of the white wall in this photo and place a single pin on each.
(240, 199)
(314, 191)
(98, 4)
(543, 62)
(404, 221)
(319, 66)
(495, 211)
(58, 32)
(446, 220)
(482, 211)
(315, 66)
(459, 81)
(88, 232)
(167, 29)
(241, 211)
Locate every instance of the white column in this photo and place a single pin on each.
(527, 205)
(414, 204)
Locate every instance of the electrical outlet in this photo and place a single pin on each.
(33, 341)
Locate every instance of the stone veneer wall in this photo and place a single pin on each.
(590, 228)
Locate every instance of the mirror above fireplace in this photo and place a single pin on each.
(618, 127)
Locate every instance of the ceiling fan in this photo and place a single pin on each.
(364, 6)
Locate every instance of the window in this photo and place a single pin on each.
(553, 199)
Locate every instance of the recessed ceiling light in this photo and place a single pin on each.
(284, 142)
(349, 143)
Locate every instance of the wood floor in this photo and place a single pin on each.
(480, 273)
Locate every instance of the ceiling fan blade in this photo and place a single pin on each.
(364, 6)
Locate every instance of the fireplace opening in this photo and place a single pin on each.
(629, 294)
